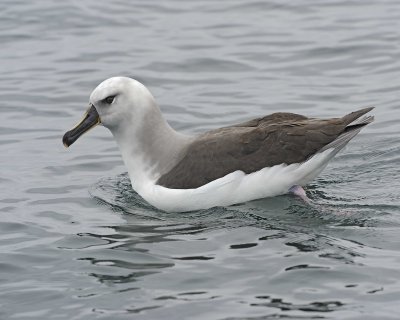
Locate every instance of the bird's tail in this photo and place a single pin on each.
(355, 117)
(354, 123)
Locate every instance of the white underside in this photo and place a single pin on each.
(236, 187)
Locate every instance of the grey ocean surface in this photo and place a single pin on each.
(77, 243)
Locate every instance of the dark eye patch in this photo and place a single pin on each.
(109, 99)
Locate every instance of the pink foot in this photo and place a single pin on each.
(299, 191)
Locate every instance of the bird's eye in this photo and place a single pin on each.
(109, 99)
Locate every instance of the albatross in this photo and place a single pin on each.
(264, 157)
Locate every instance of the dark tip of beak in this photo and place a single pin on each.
(90, 120)
(67, 141)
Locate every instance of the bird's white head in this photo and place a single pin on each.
(120, 98)
(116, 102)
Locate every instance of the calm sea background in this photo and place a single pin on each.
(77, 243)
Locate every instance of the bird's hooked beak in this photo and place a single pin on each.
(90, 119)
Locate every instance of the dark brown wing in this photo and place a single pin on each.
(253, 145)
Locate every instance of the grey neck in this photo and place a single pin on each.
(152, 148)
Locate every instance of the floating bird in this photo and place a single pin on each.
(264, 157)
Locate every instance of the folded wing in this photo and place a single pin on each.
(263, 142)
